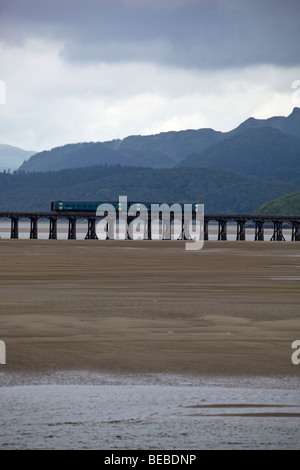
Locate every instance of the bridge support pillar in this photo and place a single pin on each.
(52, 228)
(176, 221)
(206, 228)
(295, 231)
(91, 233)
(14, 232)
(241, 230)
(72, 228)
(259, 230)
(148, 229)
(222, 231)
(33, 228)
(277, 234)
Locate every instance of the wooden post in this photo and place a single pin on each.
(222, 231)
(91, 233)
(53, 228)
(295, 231)
(277, 234)
(33, 227)
(241, 232)
(14, 233)
(206, 221)
(259, 230)
(72, 228)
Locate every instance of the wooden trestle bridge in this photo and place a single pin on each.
(258, 222)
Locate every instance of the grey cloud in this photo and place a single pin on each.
(191, 33)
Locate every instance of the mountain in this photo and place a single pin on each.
(173, 144)
(12, 157)
(162, 150)
(288, 125)
(256, 152)
(288, 204)
(74, 156)
(220, 191)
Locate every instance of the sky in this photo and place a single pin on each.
(96, 70)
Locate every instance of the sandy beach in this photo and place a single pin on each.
(231, 308)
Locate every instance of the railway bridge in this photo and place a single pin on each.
(258, 222)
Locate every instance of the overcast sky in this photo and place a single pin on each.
(96, 70)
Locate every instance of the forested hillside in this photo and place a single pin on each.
(220, 191)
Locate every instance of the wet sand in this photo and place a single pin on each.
(229, 309)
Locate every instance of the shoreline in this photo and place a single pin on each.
(135, 308)
(88, 378)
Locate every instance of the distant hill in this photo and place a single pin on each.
(163, 150)
(168, 149)
(173, 144)
(220, 191)
(12, 157)
(288, 204)
(74, 156)
(256, 152)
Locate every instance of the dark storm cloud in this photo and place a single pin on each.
(182, 33)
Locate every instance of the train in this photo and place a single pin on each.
(92, 206)
(77, 206)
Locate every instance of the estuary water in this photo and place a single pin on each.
(96, 411)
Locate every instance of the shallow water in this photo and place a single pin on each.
(94, 411)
